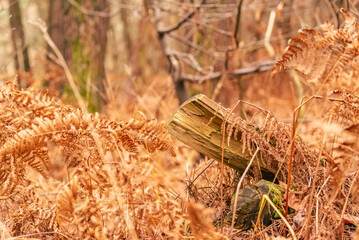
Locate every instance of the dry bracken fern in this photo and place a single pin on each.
(31, 120)
(273, 138)
(330, 56)
(323, 54)
(109, 187)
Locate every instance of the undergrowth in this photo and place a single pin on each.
(99, 179)
(69, 175)
(323, 187)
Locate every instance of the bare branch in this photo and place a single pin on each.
(177, 26)
(238, 20)
(189, 43)
(91, 12)
(259, 67)
(185, 19)
(190, 60)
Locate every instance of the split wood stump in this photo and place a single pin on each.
(197, 123)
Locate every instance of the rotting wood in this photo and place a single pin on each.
(197, 123)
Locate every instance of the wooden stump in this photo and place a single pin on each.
(197, 123)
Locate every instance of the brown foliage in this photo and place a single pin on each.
(322, 54)
(329, 56)
(104, 184)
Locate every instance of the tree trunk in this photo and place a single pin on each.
(21, 56)
(197, 123)
(79, 29)
(88, 39)
(126, 33)
(173, 65)
(101, 27)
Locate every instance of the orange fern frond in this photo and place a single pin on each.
(33, 120)
(153, 135)
(322, 54)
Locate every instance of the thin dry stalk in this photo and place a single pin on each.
(266, 198)
(317, 209)
(295, 121)
(310, 204)
(347, 199)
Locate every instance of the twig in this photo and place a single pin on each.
(268, 33)
(191, 183)
(221, 31)
(185, 19)
(295, 121)
(38, 234)
(191, 62)
(189, 43)
(223, 130)
(265, 197)
(177, 26)
(316, 211)
(128, 219)
(92, 12)
(258, 68)
(238, 20)
(174, 67)
(347, 199)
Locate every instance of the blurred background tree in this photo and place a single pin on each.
(21, 56)
(79, 30)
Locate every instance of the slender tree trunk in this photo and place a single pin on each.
(56, 24)
(21, 56)
(89, 44)
(79, 29)
(126, 33)
(174, 68)
(101, 26)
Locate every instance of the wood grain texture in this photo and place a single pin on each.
(197, 123)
